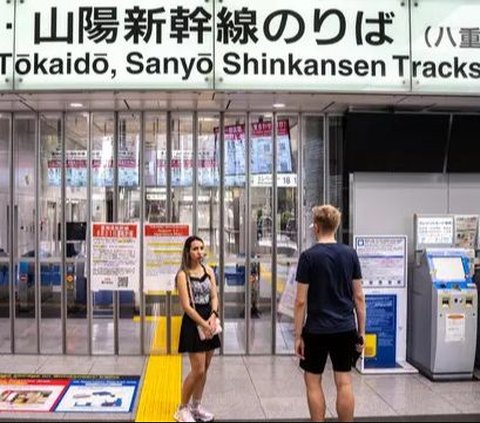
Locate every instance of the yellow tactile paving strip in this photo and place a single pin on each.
(162, 384)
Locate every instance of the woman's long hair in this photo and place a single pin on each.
(186, 260)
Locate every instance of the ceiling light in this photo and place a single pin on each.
(76, 105)
(278, 105)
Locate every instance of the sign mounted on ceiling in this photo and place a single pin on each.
(387, 46)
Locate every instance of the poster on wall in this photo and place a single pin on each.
(163, 244)
(383, 260)
(466, 227)
(127, 168)
(100, 395)
(115, 256)
(262, 148)
(30, 394)
(235, 154)
(433, 231)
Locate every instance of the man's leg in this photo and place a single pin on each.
(345, 399)
(315, 396)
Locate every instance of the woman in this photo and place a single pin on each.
(197, 290)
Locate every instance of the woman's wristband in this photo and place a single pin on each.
(215, 312)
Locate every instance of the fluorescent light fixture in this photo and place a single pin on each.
(76, 105)
(278, 105)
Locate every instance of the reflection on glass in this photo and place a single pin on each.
(24, 234)
(4, 228)
(76, 217)
(50, 197)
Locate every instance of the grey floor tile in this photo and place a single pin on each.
(288, 407)
(417, 402)
(80, 365)
(19, 363)
(234, 405)
(123, 365)
(465, 402)
(367, 403)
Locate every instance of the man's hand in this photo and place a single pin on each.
(300, 348)
(360, 343)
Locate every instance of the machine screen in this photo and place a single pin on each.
(448, 269)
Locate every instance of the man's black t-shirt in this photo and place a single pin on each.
(329, 270)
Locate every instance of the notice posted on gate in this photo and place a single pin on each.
(115, 256)
(163, 244)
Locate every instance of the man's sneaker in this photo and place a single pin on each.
(201, 415)
(183, 414)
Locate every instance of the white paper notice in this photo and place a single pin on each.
(163, 245)
(455, 328)
(115, 257)
(434, 231)
(382, 259)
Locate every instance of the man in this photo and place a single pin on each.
(329, 285)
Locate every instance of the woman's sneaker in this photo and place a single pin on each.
(201, 415)
(183, 414)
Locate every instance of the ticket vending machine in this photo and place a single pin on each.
(443, 329)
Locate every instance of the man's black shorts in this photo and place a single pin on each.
(339, 346)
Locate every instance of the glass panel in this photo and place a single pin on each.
(287, 242)
(182, 195)
(156, 212)
(5, 340)
(76, 217)
(24, 234)
(103, 126)
(50, 224)
(313, 185)
(261, 215)
(208, 186)
(129, 211)
(235, 248)
(335, 148)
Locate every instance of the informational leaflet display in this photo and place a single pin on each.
(235, 154)
(261, 152)
(262, 147)
(30, 394)
(434, 230)
(127, 168)
(115, 256)
(383, 260)
(182, 168)
(286, 305)
(76, 168)
(163, 244)
(100, 395)
(466, 227)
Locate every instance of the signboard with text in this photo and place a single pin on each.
(391, 46)
(115, 256)
(163, 246)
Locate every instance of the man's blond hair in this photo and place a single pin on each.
(327, 218)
